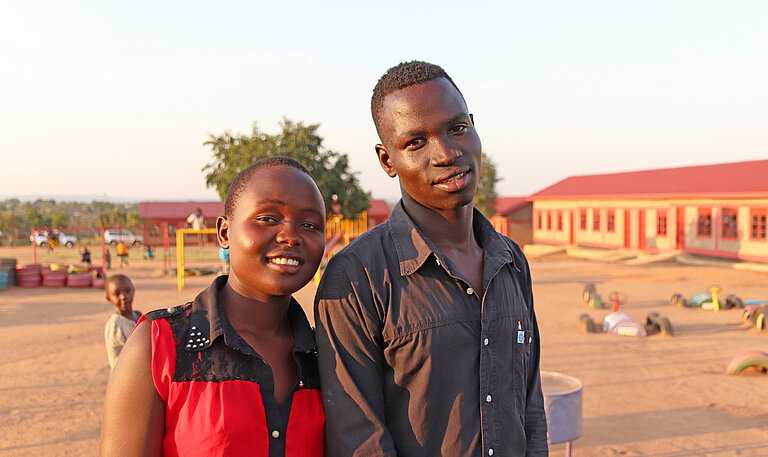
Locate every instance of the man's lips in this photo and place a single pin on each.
(453, 182)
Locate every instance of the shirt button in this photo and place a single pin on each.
(488, 399)
(275, 434)
(470, 291)
(486, 341)
(490, 451)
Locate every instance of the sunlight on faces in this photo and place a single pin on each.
(430, 143)
(276, 235)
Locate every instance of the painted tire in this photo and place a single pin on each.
(734, 301)
(747, 359)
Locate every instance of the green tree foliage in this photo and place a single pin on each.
(233, 153)
(20, 217)
(485, 196)
(10, 222)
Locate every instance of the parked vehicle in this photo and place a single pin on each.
(114, 236)
(41, 238)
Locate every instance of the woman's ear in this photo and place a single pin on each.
(222, 231)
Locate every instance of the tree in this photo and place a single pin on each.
(485, 196)
(233, 153)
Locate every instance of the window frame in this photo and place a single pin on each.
(729, 223)
(757, 228)
(700, 223)
(596, 220)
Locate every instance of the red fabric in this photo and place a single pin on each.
(225, 418)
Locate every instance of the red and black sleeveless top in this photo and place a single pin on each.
(218, 391)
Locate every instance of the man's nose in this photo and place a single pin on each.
(445, 152)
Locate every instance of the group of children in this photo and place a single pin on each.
(235, 371)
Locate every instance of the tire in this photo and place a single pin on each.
(655, 323)
(69, 244)
(586, 324)
(677, 300)
(136, 243)
(734, 301)
(113, 243)
(747, 359)
(586, 296)
(43, 244)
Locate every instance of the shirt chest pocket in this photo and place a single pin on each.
(520, 354)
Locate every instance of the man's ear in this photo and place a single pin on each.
(472, 118)
(222, 231)
(385, 160)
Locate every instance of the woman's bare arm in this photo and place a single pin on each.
(134, 413)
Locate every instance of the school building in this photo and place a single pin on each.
(714, 210)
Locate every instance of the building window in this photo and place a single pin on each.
(705, 222)
(730, 224)
(757, 225)
(559, 221)
(596, 220)
(583, 219)
(661, 223)
(538, 220)
(549, 220)
(611, 221)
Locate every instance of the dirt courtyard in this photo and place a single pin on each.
(655, 396)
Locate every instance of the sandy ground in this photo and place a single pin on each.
(659, 397)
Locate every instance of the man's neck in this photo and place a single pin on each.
(447, 229)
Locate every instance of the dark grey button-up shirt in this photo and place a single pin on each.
(413, 362)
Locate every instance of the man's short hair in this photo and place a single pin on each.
(241, 180)
(400, 76)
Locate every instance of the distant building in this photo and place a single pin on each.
(513, 218)
(156, 214)
(716, 210)
(378, 212)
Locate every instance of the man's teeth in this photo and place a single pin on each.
(457, 177)
(284, 261)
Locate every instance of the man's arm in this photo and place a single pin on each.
(535, 417)
(351, 363)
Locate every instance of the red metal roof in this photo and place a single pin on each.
(179, 210)
(726, 180)
(379, 208)
(506, 205)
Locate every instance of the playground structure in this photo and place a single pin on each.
(619, 323)
(708, 300)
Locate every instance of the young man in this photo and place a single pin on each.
(427, 337)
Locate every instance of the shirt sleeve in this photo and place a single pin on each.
(115, 340)
(535, 416)
(351, 362)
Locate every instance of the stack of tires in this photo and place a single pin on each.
(4, 277)
(79, 280)
(54, 278)
(29, 275)
(10, 264)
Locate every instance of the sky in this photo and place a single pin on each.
(113, 100)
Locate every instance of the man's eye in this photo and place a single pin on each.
(266, 219)
(461, 128)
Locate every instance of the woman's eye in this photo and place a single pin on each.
(310, 226)
(414, 143)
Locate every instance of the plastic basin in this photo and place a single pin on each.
(562, 403)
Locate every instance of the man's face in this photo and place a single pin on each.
(429, 141)
(276, 235)
(120, 293)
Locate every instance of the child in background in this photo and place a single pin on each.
(120, 293)
(107, 258)
(122, 253)
(235, 371)
(85, 256)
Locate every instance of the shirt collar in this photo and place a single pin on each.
(413, 247)
(208, 321)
